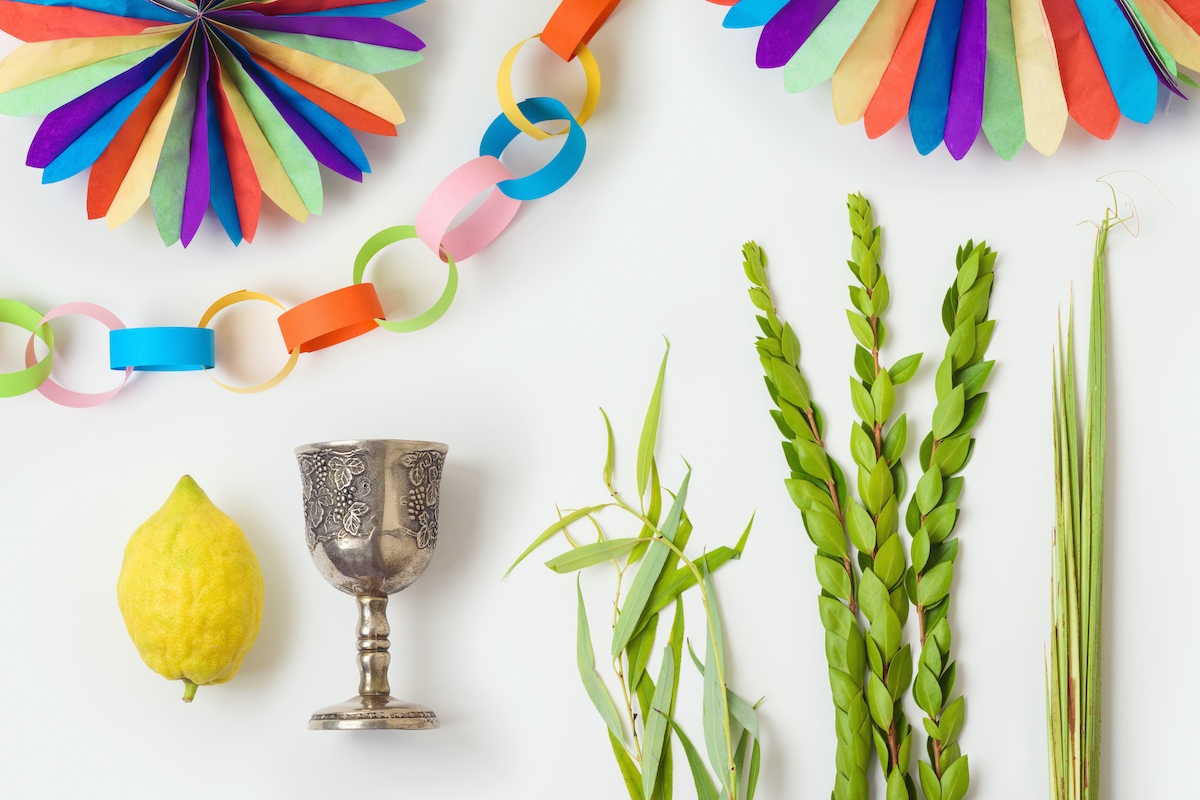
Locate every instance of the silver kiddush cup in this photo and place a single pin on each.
(371, 522)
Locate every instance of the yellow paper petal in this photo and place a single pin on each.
(359, 88)
(1042, 97)
(1177, 36)
(861, 69)
(35, 61)
(135, 187)
(272, 177)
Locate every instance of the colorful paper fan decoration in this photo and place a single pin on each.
(1014, 68)
(192, 105)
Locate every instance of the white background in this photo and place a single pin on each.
(692, 152)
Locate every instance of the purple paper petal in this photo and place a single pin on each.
(195, 199)
(353, 29)
(788, 30)
(68, 122)
(965, 113)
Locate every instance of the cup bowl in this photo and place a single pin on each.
(371, 511)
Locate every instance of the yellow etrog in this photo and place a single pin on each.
(191, 590)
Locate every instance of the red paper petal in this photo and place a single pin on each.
(1089, 100)
(247, 192)
(36, 23)
(344, 111)
(890, 103)
(113, 164)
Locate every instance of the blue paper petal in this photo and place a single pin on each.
(220, 179)
(752, 13)
(931, 92)
(1128, 71)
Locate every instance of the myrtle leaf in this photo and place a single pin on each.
(862, 449)
(930, 785)
(790, 383)
(790, 345)
(920, 550)
(956, 780)
(760, 299)
(972, 378)
(881, 295)
(880, 487)
(861, 329)
(948, 414)
(813, 459)
(832, 577)
(943, 381)
(864, 364)
(934, 584)
(904, 369)
(863, 404)
(929, 490)
(883, 397)
(861, 528)
(826, 533)
(897, 437)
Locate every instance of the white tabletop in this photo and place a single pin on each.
(692, 152)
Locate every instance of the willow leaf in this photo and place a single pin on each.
(639, 650)
(648, 572)
(652, 514)
(657, 722)
(755, 766)
(671, 585)
(717, 736)
(590, 554)
(547, 534)
(629, 771)
(705, 790)
(676, 644)
(586, 660)
(650, 429)
(608, 459)
(739, 709)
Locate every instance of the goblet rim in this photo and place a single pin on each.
(408, 444)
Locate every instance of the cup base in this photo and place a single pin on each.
(373, 713)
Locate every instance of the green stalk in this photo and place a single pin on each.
(933, 512)
(818, 488)
(873, 525)
(1073, 675)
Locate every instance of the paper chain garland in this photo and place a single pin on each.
(192, 103)
(354, 310)
(1014, 68)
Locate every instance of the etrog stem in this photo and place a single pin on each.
(189, 690)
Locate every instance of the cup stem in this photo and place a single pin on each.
(373, 644)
